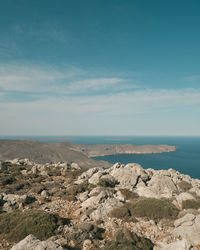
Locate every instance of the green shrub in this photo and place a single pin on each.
(54, 172)
(75, 189)
(17, 225)
(126, 240)
(120, 212)
(191, 204)
(106, 183)
(152, 208)
(74, 174)
(184, 186)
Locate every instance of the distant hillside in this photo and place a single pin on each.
(41, 152)
(45, 152)
(101, 149)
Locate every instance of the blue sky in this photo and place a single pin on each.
(99, 67)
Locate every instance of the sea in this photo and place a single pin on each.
(185, 160)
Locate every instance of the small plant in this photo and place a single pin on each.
(54, 172)
(191, 204)
(106, 183)
(17, 225)
(120, 212)
(74, 174)
(125, 239)
(152, 208)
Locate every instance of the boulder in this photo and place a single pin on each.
(177, 245)
(105, 208)
(94, 179)
(188, 227)
(162, 186)
(75, 166)
(182, 197)
(86, 175)
(95, 200)
(32, 243)
(129, 175)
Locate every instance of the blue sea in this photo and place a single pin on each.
(185, 160)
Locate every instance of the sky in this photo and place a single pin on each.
(99, 67)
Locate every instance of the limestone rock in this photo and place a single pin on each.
(187, 220)
(105, 208)
(188, 227)
(128, 175)
(32, 243)
(75, 166)
(95, 200)
(86, 175)
(182, 197)
(162, 186)
(177, 245)
(11, 201)
(94, 179)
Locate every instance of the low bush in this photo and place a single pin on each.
(17, 225)
(126, 240)
(54, 172)
(120, 212)
(75, 189)
(152, 208)
(191, 204)
(106, 183)
(74, 174)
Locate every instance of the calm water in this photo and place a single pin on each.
(186, 159)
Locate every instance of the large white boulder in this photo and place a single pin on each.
(129, 175)
(32, 243)
(188, 227)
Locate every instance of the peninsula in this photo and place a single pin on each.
(41, 152)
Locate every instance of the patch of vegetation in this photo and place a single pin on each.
(184, 186)
(54, 172)
(120, 212)
(127, 240)
(74, 174)
(128, 195)
(1, 211)
(195, 204)
(13, 181)
(106, 183)
(153, 208)
(146, 207)
(17, 225)
(75, 189)
(84, 231)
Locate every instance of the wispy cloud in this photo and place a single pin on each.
(53, 80)
(93, 114)
(42, 99)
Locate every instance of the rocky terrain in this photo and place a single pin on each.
(65, 206)
(41, 152)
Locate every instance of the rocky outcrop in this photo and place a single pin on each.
(177, 245)
(32, 243)
(188, 227)
(13, 201)
(160, 208)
